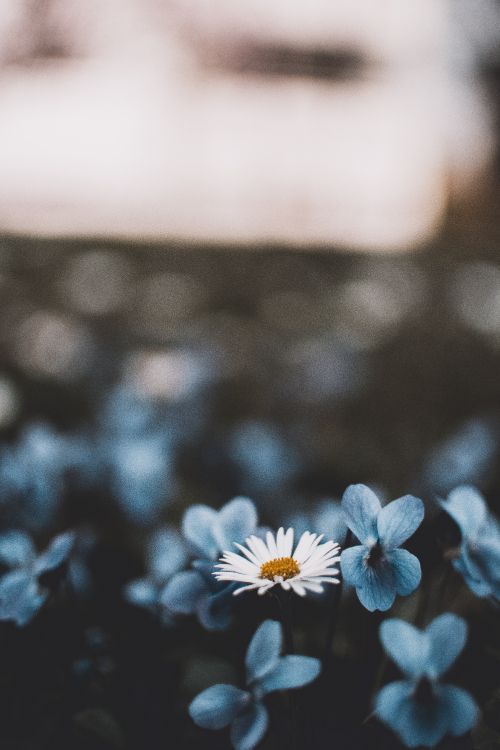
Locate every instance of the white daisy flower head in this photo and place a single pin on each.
(265, 564)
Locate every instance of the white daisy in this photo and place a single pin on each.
(263, 565)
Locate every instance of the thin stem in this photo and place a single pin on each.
(285, 615)
(332, 619)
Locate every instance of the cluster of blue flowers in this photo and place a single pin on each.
(182, 576)
(420, 709)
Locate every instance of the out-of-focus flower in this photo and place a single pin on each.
(167, 554)
(325, 517)
(266, 672)
(136, 452)
(466, 456)
(377, 567)
(420, 708)
(33, 471)
(267, 462)
(263, 565)
(209, 532)
(478, 559)
(22, 589)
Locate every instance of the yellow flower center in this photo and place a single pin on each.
(284, 567)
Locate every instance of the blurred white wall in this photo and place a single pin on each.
(312, 124)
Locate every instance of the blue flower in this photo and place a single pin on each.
(478, 559)
(167, 554)
(266, 460)
(209, 532)
(325, 517)
(420, 708)
(377, 567)
(22, 591)
(32, 473)
(266, 671)
(468, 455)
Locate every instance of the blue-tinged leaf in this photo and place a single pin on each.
(218, 706)
(290, 672)
(407, 646)
(248, 729)
(361, 507)
(398, 520)
(264, 650)
(406, 569)
(183, 592)
(447, 636)
(197, 526)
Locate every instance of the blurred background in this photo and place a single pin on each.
(245, 248)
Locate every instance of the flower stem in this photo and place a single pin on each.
(332, 619)
(285, 615)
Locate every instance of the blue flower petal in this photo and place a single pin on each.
(407, 646)
(353, 565)
(16, 549)
(406, 569)
(467, 508)
(361, 507)
(167, 554)
(141, 593)
(390, 700)
(218, 706)
(378, 589)
(290, 672)
(329, 520)
(447, 637)
(56, 553)
(460, 707)
(264, 650)
(235, 522)
(248, 729)
(215, 610)
(398, 520)
(478, 587)
(415, 722)
(183, 592)
(197, 526)
(20, 597)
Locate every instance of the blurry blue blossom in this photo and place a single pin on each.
(32, 473)
(266, 671)
(141, 475)
(466, 456)
(478, 559)
(420, 708)
(22, 593)
(135, 449)
(377, 567)
(209, 532)
(325, 517)
(167, 554)
(265, 459)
